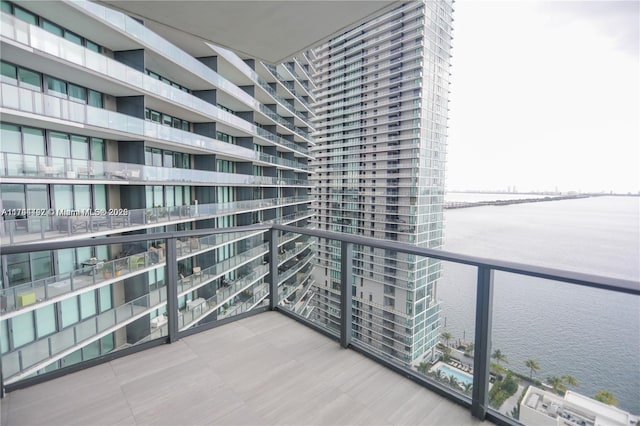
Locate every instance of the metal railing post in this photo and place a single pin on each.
(482, 345)
(172, 289)
(346, 299)
(273, 269)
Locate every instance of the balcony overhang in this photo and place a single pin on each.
(271, 31)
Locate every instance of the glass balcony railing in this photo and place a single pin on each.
(235, 60)
(40, 39)
(400, 327)
(228, 295)
(98, 273)
(50, 224)
(43, 167)
(81, 334)
(31, 101)
(202, 277)
(174, 54)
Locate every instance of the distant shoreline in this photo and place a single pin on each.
(467, 204)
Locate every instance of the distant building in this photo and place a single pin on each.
(379, 167)
(539, 407)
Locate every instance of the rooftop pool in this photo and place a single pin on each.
(448, 371)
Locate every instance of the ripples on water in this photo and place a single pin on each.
(590, 334)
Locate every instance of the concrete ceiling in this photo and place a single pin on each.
(271, 31)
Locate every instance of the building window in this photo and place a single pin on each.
(49, 26)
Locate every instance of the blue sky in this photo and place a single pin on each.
(545, 95)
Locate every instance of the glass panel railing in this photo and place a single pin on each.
(175, 54)
(92, 274)
(46, 224)
(39, 167)
(398, 306)
(201, 277)
(230, 294)
(255, 297)
(299, 271)
(38, 354)
(31, 101)
(442, 333)
(236, 61)
(549, 351)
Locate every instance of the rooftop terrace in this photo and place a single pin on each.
(265, 369)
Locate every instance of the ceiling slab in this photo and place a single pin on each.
(272, 31)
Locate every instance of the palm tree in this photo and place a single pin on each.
(557, 384)
(496, 368)
(515, 412)
(469, 349)
(533, 366)
(423, 367)
(453, 382)
(446, 353)
(446, 336)
(439, 375)
(570, 380)
(468, 387)
(606, 397)
(499, 356)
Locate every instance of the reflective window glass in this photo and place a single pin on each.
(41, 264)
(57, 86)
(63, 196)
(6, 6)
(33, 141)
(4, 336)
(52, 28)
(10, 138)
(100, 196)
(18, 269)
(77, 93)
(60, 146)
(25, 16)
(105, 298)
(92, 46)
(82, 197)
(29, 79)
(107, 343)
(95, 98)
(8, 72)
(87, 304)
(79, 147)
(97, 149)
(73, 38)
(45, 320)
(69, 311)
(23, 329)
(92, 350)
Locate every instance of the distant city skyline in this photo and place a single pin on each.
(545, 95)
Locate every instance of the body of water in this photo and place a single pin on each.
(590, 334)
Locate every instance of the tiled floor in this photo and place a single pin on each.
(266, 369)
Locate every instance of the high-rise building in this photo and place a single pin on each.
(381, 129)
(108, 128)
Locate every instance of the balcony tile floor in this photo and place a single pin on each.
(262, 370)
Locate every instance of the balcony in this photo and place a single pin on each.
(266, 369)
(41, 224)
(269, 336)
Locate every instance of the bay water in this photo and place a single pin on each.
(590, 334)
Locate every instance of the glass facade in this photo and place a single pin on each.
(98, 143)
(381, 134)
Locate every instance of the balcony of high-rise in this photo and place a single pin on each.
(254, 338)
